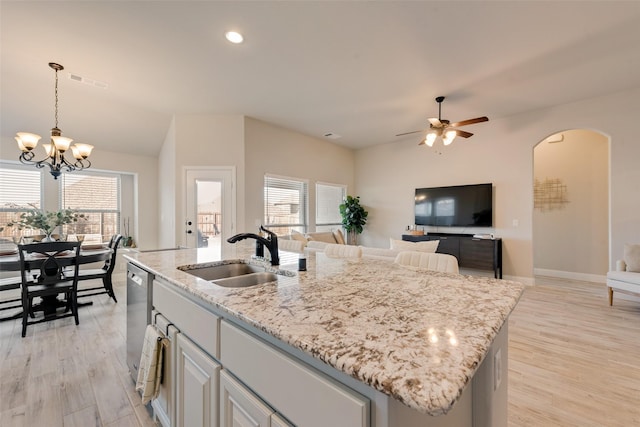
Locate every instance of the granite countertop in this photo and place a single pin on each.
(417, 336)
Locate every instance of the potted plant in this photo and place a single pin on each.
(354, 217)
(46, 221)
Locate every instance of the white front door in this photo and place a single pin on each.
(210, 209)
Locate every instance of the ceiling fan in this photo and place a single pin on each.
(445, 129)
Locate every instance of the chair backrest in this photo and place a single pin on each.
(291, 245)
(429, 261)
(110, 263)
(333, 250)
(51, 259)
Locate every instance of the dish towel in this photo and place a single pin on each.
(150, 370)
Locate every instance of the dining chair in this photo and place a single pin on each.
(103, 273)
(429, 261)
(334, 250)
(42, 272)
(14, 300)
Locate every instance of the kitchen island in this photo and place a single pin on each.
(405, 346)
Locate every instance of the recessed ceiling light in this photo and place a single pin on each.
(234, 37)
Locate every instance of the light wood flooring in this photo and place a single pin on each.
(573, 361)
(61, 374)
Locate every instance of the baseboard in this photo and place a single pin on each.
(570, 275)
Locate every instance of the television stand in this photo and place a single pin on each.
(471, 252)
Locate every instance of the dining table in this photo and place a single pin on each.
(10, 261)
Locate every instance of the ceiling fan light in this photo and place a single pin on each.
(430, 139)
(449, 136)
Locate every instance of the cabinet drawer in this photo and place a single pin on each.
(196, 322)
(448, 245)
(477, 253)
(303, 395)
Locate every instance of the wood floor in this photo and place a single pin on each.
(573, 361)
(61, 374)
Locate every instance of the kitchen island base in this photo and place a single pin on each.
(285, 385)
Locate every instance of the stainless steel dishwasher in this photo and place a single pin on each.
(139, 300)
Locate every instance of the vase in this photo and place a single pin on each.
(352, 238)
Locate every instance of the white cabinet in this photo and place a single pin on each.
(278, 421)
(197, 385)
(164, 408)
(302, 394)
(239, 407)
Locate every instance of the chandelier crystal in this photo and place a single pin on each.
(55, 150)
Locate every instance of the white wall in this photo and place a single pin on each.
(167, 190)
(279, 151)
(573, 236)
(207, 140)
(501, 151)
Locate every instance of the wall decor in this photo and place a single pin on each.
(550, 194)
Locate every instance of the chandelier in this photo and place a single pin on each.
(55, 150)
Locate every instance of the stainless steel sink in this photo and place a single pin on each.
(235, 274)
(223, 271)
(247, 280)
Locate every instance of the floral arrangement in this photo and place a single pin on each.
(45, 220)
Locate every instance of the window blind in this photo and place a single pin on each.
(98, 198)
(328, 200)
(90, 192)
(285, 204)
(20, 189)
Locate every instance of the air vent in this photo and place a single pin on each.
(332, 135)
(90, 82)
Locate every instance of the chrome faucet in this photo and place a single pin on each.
(271, 242)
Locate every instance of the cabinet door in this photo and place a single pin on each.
(278, 421)
(197, 384)
(164, 407)
(477, 253)
(448, 245)
(239, 407)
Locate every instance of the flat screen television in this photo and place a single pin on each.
(455, 206)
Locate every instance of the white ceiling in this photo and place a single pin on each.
(364, 70)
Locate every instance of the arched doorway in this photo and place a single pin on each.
(571, 206)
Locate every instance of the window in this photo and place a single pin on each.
(98, 198)
(285, 204)
(20, 190)
(328, 200)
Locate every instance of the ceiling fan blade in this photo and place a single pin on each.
(409, 133)
(422, 142)
(470, 121)
(435, 122)
(463, 133)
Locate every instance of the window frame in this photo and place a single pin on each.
(302, 226)
(117, 211)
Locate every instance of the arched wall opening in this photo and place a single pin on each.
(571, 206)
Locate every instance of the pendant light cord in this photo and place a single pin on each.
(56, 97)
